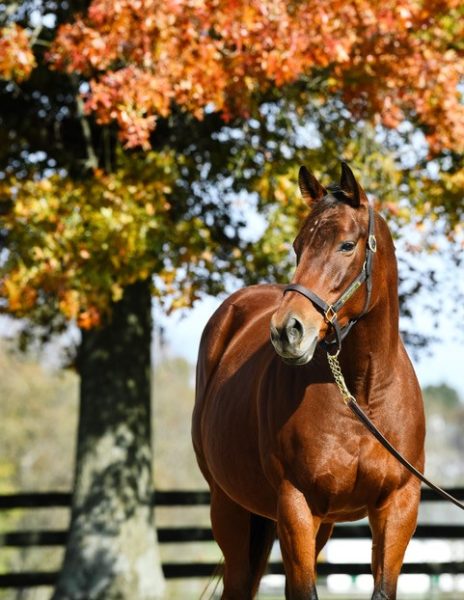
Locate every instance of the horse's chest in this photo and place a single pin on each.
(338, 467)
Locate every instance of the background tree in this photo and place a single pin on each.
(129, 136)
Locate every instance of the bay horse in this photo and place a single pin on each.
(273, 438)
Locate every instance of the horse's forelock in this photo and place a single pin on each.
(320, 224)
(336, 192)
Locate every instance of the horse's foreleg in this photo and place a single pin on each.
(297, 529)
(392, 526)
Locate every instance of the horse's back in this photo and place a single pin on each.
(244, 312)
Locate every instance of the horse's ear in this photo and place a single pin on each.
(310, 188)
(354, 192)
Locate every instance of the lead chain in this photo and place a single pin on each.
(339, 379)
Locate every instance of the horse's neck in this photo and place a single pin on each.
(370, 351)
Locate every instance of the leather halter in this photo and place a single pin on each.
(330, 310)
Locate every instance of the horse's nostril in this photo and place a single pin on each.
(290, 333)
(275, 334)
(294, 330)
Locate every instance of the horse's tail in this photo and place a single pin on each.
(262, 537)
(213, 581)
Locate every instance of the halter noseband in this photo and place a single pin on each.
(330, 310)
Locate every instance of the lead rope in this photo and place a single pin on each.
(350, 401)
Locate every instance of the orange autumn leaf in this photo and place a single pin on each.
(16, 57)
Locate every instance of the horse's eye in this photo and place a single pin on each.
(347, 247)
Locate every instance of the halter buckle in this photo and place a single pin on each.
(372, 243)
(330, 314)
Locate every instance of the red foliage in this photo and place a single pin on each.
(389, 60)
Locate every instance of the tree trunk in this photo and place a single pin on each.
(112, 550)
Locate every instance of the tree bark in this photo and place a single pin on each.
(112, 550)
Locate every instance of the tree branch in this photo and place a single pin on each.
(92, 160)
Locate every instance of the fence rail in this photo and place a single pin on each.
(177, 535)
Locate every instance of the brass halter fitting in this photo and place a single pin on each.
(330, 314)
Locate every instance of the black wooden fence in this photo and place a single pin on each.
(179, 535)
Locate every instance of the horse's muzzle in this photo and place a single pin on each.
(294, 342)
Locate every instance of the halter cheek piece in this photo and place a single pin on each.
(330, 310)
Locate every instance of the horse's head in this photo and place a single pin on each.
(331, 252)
